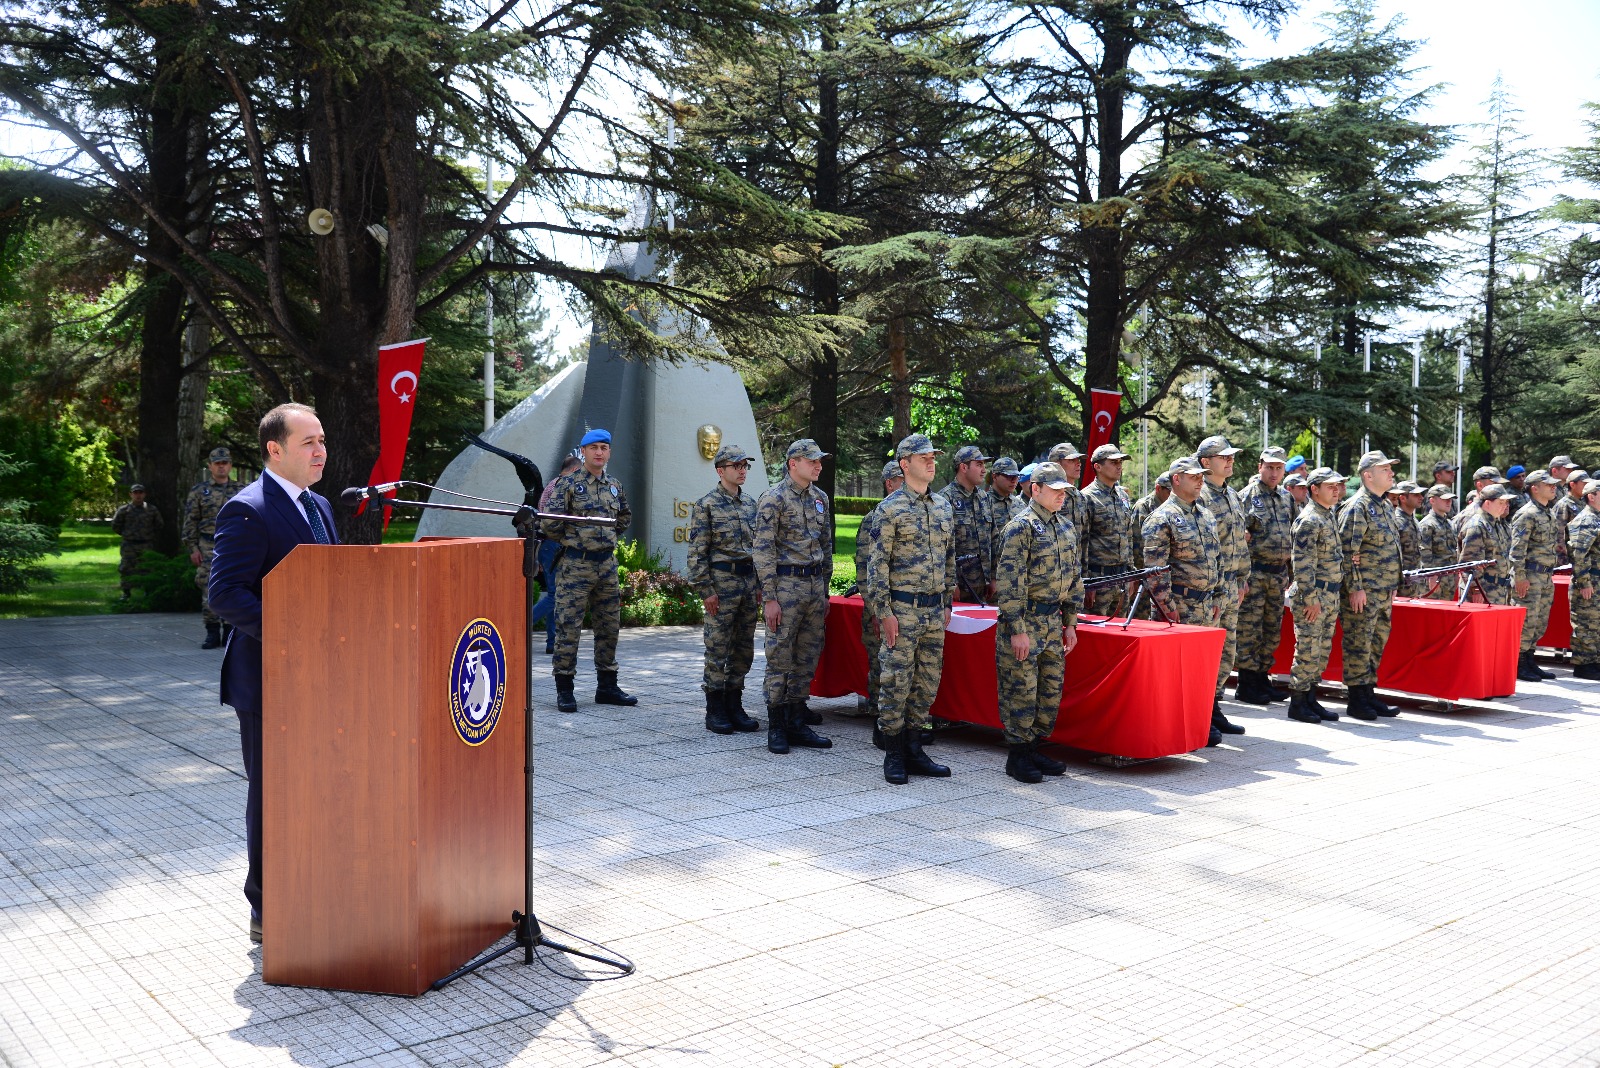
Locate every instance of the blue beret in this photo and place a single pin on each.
(1514, 470)
(595, 437)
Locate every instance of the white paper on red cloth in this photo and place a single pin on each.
(972, 618)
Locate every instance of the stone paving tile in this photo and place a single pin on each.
(1414, 892)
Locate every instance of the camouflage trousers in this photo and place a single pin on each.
(1585, 628)
(1108, 600)
(1228, 619)
(792, 652)
(1191, 612)
(586, 586)
(908, 674)
(1313, 641)
(1541, 594)
(1365, 634)
(1030, 690)
(1491, 589)
(869, 642)
(1261, 621)
(202, 578)
(129, 567)
(730, 635)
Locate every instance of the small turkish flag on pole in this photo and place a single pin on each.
(398, 368)
(1103, 406)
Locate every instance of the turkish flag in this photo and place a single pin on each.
(1103, 405)
(398, 368)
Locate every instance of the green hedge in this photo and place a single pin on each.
(855, 505)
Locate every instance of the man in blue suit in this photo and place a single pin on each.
(256, 529)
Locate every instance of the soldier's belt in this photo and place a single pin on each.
(1191, 593)
(738, 567)
(799, 570)
(921, 600)
(1324, 585)
(1044, 608)
(593, 555)
(1269, 569)
(1104, 569)
(1537, 569)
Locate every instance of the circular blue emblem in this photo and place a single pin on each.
(477, 681)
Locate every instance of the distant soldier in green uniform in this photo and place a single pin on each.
(1371, 547)
(1066, 454)
(1534, 537)
(1318, 564)
(1481, 478)
(969, 504)
(794, 561)
(1105, 541)
(1217, 457)
(721, 530)
(138, 522)
(1268, 519)
(1039, 589)
(1437, 542)
(1583, 544)
(1141, 511)
(199, 527)
(1404, 498)
(911, 584)
(1444, 474)
(1487, 536)
(1517, 483)
(1299, 492)
(1005, 500)
(586, 579)
(892, 480)
(1569, 503)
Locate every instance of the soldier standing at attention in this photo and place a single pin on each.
(1038, 590)
(1517, 483)
(911, 583)
(1268, 519)
(1299, 492)
(794, 560)
(1105, 541)
(1004, 500)
(1217, 457)
(138, 522)
(1437, 542)
(586, 579)
(1482, 477)
(1371, 546)
(1583, 543)
(721, 529)
(1569, 502)
(969, 503)
(1444, 474)
(892, 480)
(1486, 536)
(1534, 537)
(1141, 511)
(1183, 536)
(1318, 561)
(1403, 498)
(1071, 460)
(199, 530)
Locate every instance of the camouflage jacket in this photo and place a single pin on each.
(200, 509)
(1074, 508)
(974, 522)
(1566, 509)
(721, 528)
(1038, 565)
(1106, 535)
(1436, 541)
(1371, 544)
(864, 535)
(912, 549)
(1583, 543)
(1183, 536)
(1269, 519)
(1316, 555)
(793, 529)
(1484, 537)
(1405, 528)
(1534, 536)
(137, 522)
(1226, 508)
(1001, 511)
(581, 493)
(1141, 511)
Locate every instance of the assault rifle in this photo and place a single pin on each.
(1141, 576)
(1472, 567)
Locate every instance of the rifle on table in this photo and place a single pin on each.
(1141, 576)
(1472, 567)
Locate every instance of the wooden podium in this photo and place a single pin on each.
(392, 838)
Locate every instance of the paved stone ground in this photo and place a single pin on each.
(1416, 892)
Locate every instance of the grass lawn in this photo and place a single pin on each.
(844, 549)
(86, 577)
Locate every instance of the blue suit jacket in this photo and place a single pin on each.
(255, 530)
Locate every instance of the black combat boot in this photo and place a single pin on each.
(1300, 707)
(894, 759)
(1377, 705)
(1220, 722)
(213, 636)
(918, 762)
(879, 739)
(800, 733)
(1276, 693)
(1589, 672)
(1252, 689)
(717, 712)
(565, 702)
(607, 692)
(1214, 738)
(1316, 706)
(1020, 765)
(1527, 670)
(777, 728)
(733, 701)
(1046, 765)
(1542, 671)
(808, 716)
(1356, 704)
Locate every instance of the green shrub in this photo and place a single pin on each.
(165, 584)
(659, 598)
(854, 505)
(22, 544)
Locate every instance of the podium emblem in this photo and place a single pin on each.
(477, 681)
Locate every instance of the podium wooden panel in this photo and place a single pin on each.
(392, 850)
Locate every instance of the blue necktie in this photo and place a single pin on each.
(313, 516)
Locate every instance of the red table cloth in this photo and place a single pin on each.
(1436, 649)
(1144, 692)
(1558, 633)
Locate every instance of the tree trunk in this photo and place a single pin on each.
(1104, 312)
(899, 377)
(193, 445)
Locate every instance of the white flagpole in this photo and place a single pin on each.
(488, 310)
(1319, 418)
(1144, 420)
(1366, 385)
(1416, 384)
(1461, 380)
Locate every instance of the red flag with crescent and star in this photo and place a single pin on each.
(398, 368)
(1103, 406)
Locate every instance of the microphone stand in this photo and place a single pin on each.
(527, 934)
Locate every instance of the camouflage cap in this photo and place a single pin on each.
(1487, 474)
(1005, 465)
(1591, 486)
(968, 453)
(137, 487)
(916, 445)
(729, 454)
(1051, 475)
(891, 471)
(1273, 454)
(1541, 477)
(1444, 465)
(1441, 491)
(1407, 486)
(1375, 458)
(1215, 445)
(1322, 475)
(1495, 492)
(220, 455)
(806, 449)
(1185, 465)
(1164, 480)
(1065, 450)
(1296, 479)
(1563, 461)
(1580, 475)
(1102, 453)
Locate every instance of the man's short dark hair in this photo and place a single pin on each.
(569, 463)
(275, 424)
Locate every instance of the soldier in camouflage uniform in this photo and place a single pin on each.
(969, 504)
(1105, 540)
(1444, 474)
(1583, 545)
(1038, 590)
(1268, 519)
(910, 586)
(199, 528)
(721, 528)
(1182, 535)
(1437, 542)
(1141, 511)
(1482, 477)
(1217, 457)
(1371, 547)
(1318, 564)
(586, 577)
(1071, 460)
(1487, 536)
(1534, 537)
(892, 480)
(1517, 483)
(794, 561)
(1005, 500)
(1404, 498)
(1568, 506)
(1299, 493)
(138, 522)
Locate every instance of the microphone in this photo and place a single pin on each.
(354, 495)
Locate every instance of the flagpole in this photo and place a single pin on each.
(1461, 380)
(1416, 384)
(1366, 387)
(488, 306)
(1319, 418)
